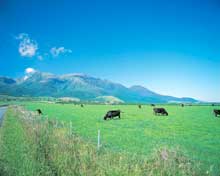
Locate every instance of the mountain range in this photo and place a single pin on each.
(83, 87)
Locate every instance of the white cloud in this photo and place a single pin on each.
(60, 50)
(25, 77)
(29, 70)
(27, 46)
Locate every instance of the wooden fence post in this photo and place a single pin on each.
(70, 127)
(99, 145)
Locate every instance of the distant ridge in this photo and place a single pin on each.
(84, 87)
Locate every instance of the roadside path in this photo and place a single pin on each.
(2, 111)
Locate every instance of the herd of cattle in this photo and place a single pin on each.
(156, 111)
(117, 113)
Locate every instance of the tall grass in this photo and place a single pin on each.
(31, 145)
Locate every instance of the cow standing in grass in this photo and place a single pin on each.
(216, 112)
(152, 105)
(160, 111)
(82, 105)
(139, 106)
(113, 113)
(182, 105)
(39, 111)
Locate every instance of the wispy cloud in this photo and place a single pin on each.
(56, 51)
(27, 46)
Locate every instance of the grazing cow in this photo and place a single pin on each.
(213, 104)
(39, 111)
(113, 113)
(82, 105)
(152, 104)
(160, 111)
(139, 106)
(182, 105)
(216, 112)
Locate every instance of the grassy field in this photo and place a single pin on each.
(30, 145)
(192, 128)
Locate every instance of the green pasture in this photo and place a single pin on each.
(194, 129)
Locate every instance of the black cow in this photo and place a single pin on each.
(152, 104)
(182, 105)
(139, 106)
(82, 105)
(160, 111)
(216, 112)
(213, 104)
(113, 113)
(39, 111)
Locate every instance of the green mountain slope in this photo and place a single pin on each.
(80, 86)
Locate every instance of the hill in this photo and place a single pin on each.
(81, 86)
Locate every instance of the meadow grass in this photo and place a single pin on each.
(31, 145)
(17, 150)
(192, 128)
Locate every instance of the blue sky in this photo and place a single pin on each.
(171, 47)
